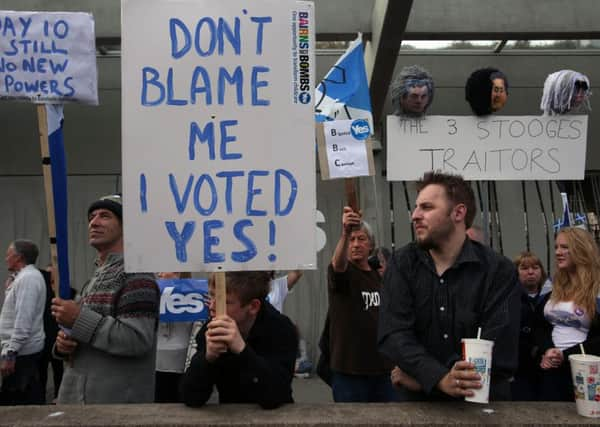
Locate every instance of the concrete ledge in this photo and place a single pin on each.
(399, 414)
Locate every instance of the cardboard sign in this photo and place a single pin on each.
(345, 149)
(48, 57)
(183, 300)
(491, 148)
(218, 124)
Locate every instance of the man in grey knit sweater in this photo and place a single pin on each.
(22, 327)
(111, 338)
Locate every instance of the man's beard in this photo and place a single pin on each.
(435, 237)
(427, 244)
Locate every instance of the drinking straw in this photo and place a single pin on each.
(581, 348)
(478, 333)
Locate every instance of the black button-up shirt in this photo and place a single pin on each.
(423, 316)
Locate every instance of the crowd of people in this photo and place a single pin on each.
(393, 330)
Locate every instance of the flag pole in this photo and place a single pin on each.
(42, 116)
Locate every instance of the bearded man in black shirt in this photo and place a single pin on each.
(442, 288)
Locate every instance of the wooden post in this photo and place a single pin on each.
(220, 294)
(46, 169)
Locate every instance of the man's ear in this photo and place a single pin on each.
(460, 212)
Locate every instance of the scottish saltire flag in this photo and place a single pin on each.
(565, 220)
(568, 219)
(58, 166)
(344, 92)
(183, 300)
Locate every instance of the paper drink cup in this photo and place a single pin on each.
(479, 353)
(586, 383)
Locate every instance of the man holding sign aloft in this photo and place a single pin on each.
(441, 289)
(359, 372)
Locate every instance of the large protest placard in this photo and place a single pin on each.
(218, 135)
(48, 57)
(490, 148)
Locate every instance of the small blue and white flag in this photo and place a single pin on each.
(565, 220)
(569, 219)
(183, 300)
(344, 92)
(58, 167)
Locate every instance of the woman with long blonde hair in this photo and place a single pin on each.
(570, 314)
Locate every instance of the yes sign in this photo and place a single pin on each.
(183, 300)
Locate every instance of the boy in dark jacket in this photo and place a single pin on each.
(248, 354)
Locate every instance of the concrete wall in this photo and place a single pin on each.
(351, 414)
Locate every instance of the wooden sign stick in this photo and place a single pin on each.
(46, 169)
(350, 184)
(220, 293)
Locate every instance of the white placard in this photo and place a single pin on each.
(491, 148)
(346, 148)
(48, 57)
(218, 135)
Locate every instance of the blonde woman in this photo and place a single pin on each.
(570, 314)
